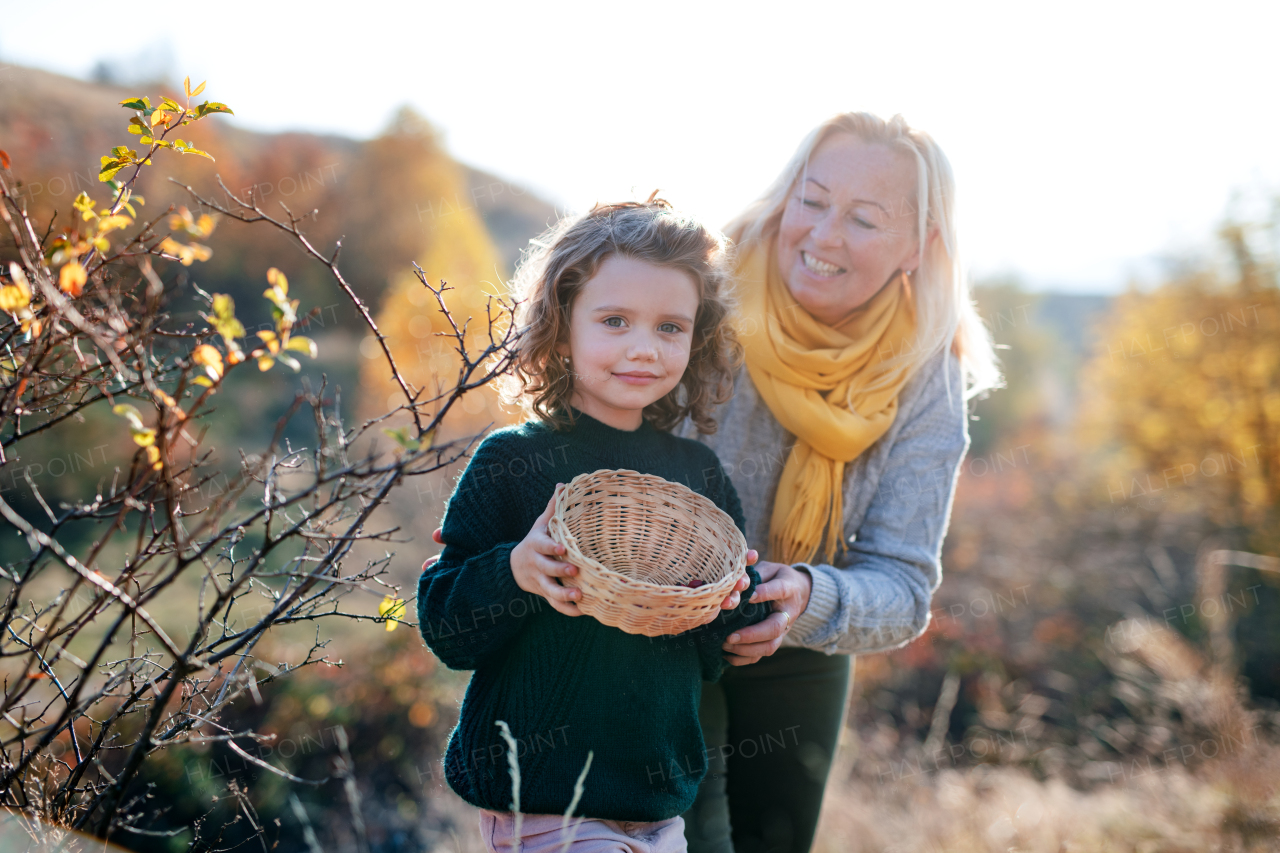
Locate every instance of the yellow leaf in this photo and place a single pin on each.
(72, 278)
(145, 437)
(14, 297)
(265, 362)
(210, 358)
(124, 410)
(153, 456)
(109, 223)
(277, 279)
(391, 608)
(303, 344)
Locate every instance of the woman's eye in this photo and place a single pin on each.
(615, 322)
(863, 222)
(670, 328)
(812, 204)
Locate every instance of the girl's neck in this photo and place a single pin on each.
(627, 420)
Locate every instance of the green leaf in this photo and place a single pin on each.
(136, 103)
(170, 105)
(109, 168)
(212, 107)
(401, 436)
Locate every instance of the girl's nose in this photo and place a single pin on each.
(644, 348)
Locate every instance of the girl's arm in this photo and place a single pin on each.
(711, 637)
(470, 608)
(469, 604)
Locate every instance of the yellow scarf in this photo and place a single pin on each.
(814, 379)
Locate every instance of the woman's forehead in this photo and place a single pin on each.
(851, 168)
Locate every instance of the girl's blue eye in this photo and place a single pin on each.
(615, 322)
(670, 328)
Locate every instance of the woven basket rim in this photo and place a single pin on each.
(684, 492)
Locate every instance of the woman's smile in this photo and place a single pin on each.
(820, 268)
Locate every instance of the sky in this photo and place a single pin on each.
(1090, 141)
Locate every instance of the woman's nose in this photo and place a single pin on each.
(826, 230)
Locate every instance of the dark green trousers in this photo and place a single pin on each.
(771, 731)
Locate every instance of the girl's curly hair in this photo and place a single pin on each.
(558, 264)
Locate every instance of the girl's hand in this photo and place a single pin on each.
(535, 567)
(735, 595)
(437, 536)
(788, 588)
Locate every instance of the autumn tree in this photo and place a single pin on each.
(133, 618)
(1183, 395)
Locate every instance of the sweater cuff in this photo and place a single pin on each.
(497, 576)
(818, 616)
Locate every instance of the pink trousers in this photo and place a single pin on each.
(540, 833)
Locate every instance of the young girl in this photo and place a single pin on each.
(623, 334)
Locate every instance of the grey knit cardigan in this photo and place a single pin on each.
(897, 503)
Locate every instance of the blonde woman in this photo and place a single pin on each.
(843, 437)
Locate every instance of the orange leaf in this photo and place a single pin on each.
(4, 159)
(72, 278)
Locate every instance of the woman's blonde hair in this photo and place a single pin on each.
(945, 313)
(560, 262)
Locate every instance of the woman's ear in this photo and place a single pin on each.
(562, 349)
(912, 263)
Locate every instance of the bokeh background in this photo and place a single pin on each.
(1102, 670)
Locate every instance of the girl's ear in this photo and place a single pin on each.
(562, 348)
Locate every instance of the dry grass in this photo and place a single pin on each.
(1000, 809)
(1215, 785)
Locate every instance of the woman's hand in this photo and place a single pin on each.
(788, 588)
(535, 567)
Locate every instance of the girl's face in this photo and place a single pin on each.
(848, 227)
(630, 331)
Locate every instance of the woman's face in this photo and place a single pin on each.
(848, 227)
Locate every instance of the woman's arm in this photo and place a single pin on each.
(879, 598)
(882, 599)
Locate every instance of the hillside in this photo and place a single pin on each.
(55, 128)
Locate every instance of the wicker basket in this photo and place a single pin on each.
(636, 540)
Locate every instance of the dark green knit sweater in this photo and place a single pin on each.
(567, 684)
